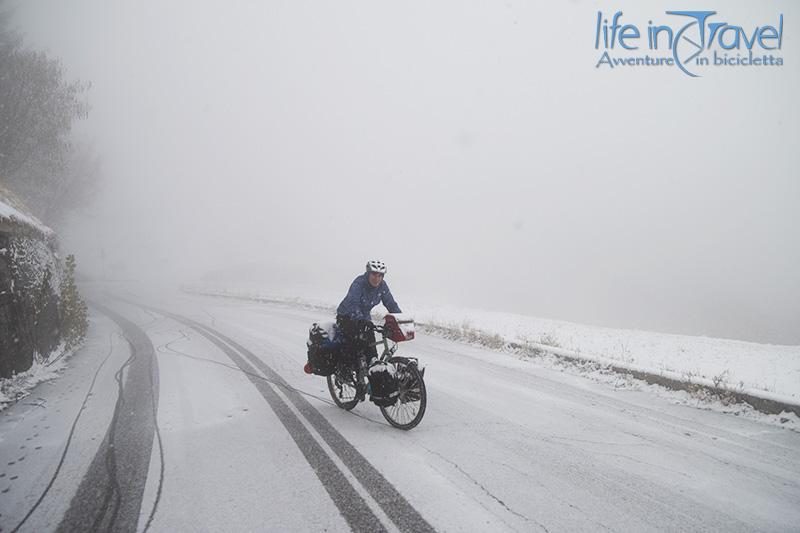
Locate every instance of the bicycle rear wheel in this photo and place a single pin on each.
(341, 385)
(409, 408)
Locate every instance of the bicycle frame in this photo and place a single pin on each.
(408, 407)
(388, 350)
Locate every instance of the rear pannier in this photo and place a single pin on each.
(322, 348)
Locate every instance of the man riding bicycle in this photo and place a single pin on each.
(353, 314)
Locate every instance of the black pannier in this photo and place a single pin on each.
(322, 349)
(383, 384)
(322, 360)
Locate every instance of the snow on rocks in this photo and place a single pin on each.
(13, 212)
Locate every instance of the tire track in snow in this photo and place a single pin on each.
(351, 505)
(164, 348)
(154, 391)
(393, 504)
(109, 497)
(69, 439)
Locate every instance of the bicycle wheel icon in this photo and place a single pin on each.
(686, 48)
(689, 41)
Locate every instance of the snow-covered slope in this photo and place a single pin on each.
(736, 364)
(11, 209)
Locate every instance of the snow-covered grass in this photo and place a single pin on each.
(771, 371)
(721, 362)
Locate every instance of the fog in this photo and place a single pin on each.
(472, 146)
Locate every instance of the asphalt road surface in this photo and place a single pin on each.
(190, 413)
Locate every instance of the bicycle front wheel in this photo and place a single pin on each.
(409, 408)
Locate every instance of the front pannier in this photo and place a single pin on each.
(383, 384)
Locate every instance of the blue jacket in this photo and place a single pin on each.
(362, 297)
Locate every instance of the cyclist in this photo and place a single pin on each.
(353, 314)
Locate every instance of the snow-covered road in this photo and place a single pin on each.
(243, 440)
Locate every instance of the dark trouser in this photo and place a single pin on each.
(358, 335)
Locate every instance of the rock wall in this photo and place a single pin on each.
(30, 276)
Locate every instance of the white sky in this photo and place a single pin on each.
(473, 146)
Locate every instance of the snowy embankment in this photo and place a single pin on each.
(35, 258)
(19, 386)
(769, 372)
(11, 210)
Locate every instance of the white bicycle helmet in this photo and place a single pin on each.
(376, 266)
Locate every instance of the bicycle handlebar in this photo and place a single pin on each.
(377, 328)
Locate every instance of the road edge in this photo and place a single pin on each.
(765, 402)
